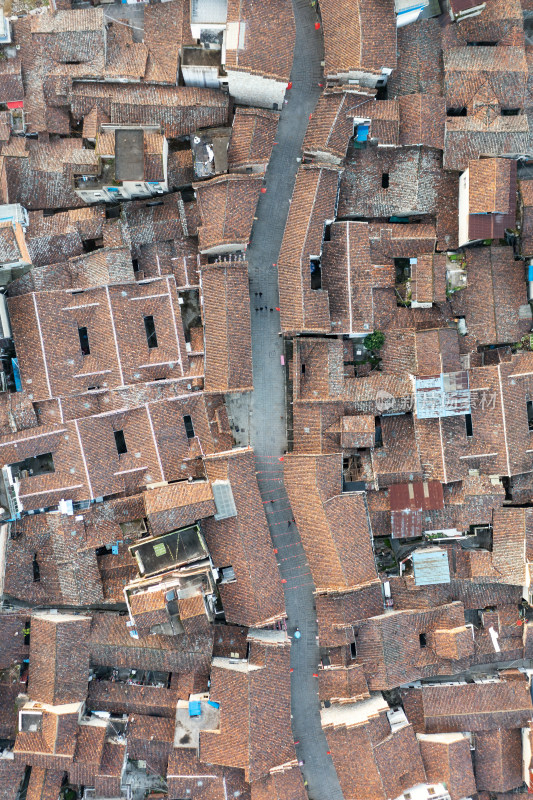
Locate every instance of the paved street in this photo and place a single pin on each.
(268, 428)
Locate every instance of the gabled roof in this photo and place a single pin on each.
(226, 205)
(227, 332)
(255, 733)
(469, 706)
(59, 657)
(359, 36)
(334, 526)
(243, 542)
(252, 137)
(260, 38)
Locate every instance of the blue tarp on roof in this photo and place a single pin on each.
(213, 704)
(362, 133)
(16, 374)
(195, 708)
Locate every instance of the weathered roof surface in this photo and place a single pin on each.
(313, 202)
(467, 69)
(361, 35)
(389, 645)
(226, 206)
(491, 301)
(59, 655)
(498, 760)
(244, 543)
(334, 526)
(419, 61)
(189, 777)
(331, 125)
(11, 775)
(469, 707)
(422, 120)
(111, 645)
(252, 137)
(163, 24)
(177, 505)
(68, 570)
(260, 38)
(412, 176)
(350, 277)
(283, 782)
(447, 759)
(227, 332)
(179, 110)
(11, 88)
(254, 742)
(470, 137)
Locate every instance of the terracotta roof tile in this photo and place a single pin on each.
(226, 308)
(255, 741)
(333, 526)
(227, 206)
(252, 137)
(244, 543)
(268, 36)
(359, 36)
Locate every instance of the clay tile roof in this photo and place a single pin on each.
(180, 110)
(414, 174)
(498, 760)
(143, 602)
(471, 707)
(489, 184)
(342, 684)
(467, 69)
(227, 332)
(177, 505)
(255, 733)
(313, 201)
(252, 137)
(359, 35)
(163, 24)
(244, 542)
(385, 120)
(125, 58)
(331, 125)
(260, 38)
(87, 19)
(11, 775)
(11, 88)
(422, 120)
(281, 783)
(333, 526)
(59, 656)
(469, 137)
(447, 759)
(187, 776)
(44, 784)
(227, 206)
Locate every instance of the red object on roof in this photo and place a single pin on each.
(17, 104)
(419, 496)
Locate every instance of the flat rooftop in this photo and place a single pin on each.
(129, 154)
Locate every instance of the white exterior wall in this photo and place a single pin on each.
(200, 76)
(464, 183)
(254, 90)
(198, 27)
(223, 248)
(360, 76)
